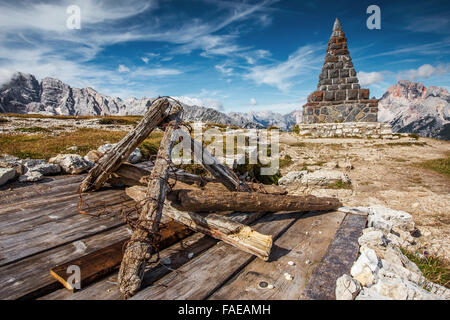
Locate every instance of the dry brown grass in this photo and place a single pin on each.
(126, 119)
(45, 146)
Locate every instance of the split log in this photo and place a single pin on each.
(201, 201)
(217, 226)
(110, 162)
(145, 236)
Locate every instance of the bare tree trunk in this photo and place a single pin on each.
(201, 201)
(216, 226)
(111, 161)
(145, 236)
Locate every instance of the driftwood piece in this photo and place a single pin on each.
(111, 161)
(201, 201)
(140, 248)
(216, 226)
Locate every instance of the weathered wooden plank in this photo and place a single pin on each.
(338, 260)
(110, 162)
(29, 277)
(173, 257)
(202, 276)
(306, 240)
(58, 232)
(139, 249)
(95, 265)
(35, 190)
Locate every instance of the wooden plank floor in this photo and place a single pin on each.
(40, 227)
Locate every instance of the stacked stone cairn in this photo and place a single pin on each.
(339, 97)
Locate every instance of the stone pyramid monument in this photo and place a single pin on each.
(339, 97)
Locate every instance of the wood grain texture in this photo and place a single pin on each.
(110, 162)
(95, 265)
(204, 201)
(306, 240)
(216, 226)
(202, 276)
(139, 249)
(338, 260)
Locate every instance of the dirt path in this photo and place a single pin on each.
(384, 174)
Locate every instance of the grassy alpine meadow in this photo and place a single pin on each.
(45, 146)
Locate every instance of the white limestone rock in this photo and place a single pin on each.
(72, 163)
(371, 294)
(31, 176)
(292, 177)
(41, 166)
(366, 268)
(400, 289)
(372, 238)
(399, 219)
(347, 288)
(7, 174)
(324, 177)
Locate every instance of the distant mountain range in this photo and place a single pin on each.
(25, 94)
(412, 108)
(407, 106)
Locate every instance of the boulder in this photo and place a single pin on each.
(7, 174)
(347, 288)
(346, 165)
(324, 177)
(93, 156)
(292, 177)
(72, 163)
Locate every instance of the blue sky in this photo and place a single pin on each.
(230, 55)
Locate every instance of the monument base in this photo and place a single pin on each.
(371, 130)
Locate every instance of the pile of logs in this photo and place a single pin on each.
(187, 199)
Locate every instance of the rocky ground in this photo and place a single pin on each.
(382, 172)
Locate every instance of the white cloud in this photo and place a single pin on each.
(202, 102)
(145, 59)
(368, 78)
(253, 101)
(280, 75)
(151, 72)
(122, 68)
(224, 70)
(5, 76)
(424, 72)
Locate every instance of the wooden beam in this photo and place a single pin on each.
(110, 162)
(140, 249)
(203, 201)
(216, 226)
(96, 264)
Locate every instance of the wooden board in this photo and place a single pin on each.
(101, 262)
(306, 240)
(29, 277)
(107, 289)
(20, 240)
(201, 277)
(338, 260)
